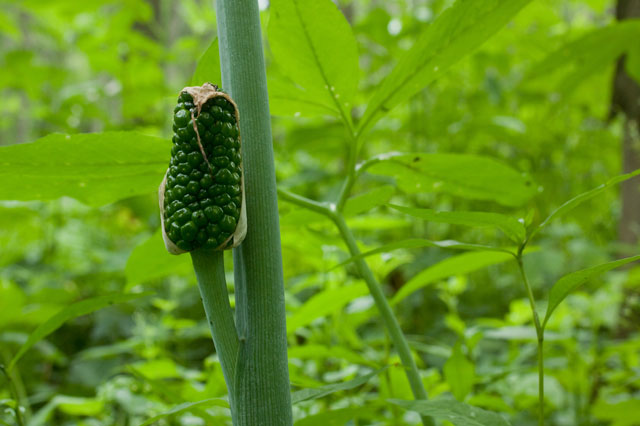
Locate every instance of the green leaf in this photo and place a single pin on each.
(458, 413)
(186, 407)
(565, 285)
(364, 202)
(337, 417)
(579, 199)
(95, 168)
(586, 56)
(307, 394)
(72, 311)
(208, 68)
(461, 264)
(324, 303)
(456, 33)
(150, 260)
(314, 46)
(459, 373)
(420, 243)
(467, 176)
(513, 228)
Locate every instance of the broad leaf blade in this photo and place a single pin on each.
(74, 310)
(95, 168)
(458, 413)
(150, 260)
(510, 226)
(591, 53)
(186, 407)
(456, 33)
(565, 285)
(461, 264)
(459, 373)
(467, 176)
(313, 44)
(208, 67)
(581, 198)
(420, 243)
(307, 394)
(363, 202)
(324, 303)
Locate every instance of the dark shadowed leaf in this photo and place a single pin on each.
(186, 407)
(578, 199)
(307, 394)
(74, 310)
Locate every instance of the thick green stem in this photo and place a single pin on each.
(539, 334)
(389, 319)
(209, 268)
(263, 392)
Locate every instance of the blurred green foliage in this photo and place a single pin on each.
(534, 97)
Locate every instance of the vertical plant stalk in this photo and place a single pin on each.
(539, 334)
(209, 268)
(262, 382)
(389, 319)
(16, 395)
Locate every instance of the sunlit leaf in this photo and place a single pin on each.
(314, 46)
(208, 68)
(95, 168)
(458, 413)
(461, 264)
(467, 176)
(459, 31)
(513, 228)
(150, 260)
(74, 310)
(363, 202)
(565, 285)
(324, 303)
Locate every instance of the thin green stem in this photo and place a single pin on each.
(15, 394)
(262, 384)
(209, 268)
(389, 319)
(539, 334)
(307, 203)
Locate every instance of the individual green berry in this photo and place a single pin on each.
(214, 213)
(189, 231)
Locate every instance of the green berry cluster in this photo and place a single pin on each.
(203, 198)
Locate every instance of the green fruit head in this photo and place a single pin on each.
(202, 194)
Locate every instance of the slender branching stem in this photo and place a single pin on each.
(389, 319)
(540, 336)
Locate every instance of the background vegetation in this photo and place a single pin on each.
(539, 96)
